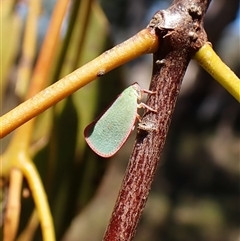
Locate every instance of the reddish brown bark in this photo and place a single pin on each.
(180, 32)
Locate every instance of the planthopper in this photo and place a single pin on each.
(107, 134)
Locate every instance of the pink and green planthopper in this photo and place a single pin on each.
(107, 134)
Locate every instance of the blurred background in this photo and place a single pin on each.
(195, 195)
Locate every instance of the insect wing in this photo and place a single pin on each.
(109, 132)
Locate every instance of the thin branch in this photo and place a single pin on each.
(142, 43)
(16, 156)
(40, 199)
(211, 62)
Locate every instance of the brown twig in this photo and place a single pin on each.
(181, 34)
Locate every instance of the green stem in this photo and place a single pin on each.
(211, 62)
